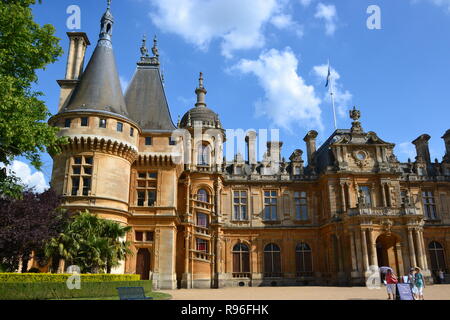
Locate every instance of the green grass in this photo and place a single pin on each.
(154, 295)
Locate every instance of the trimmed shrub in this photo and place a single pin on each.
(52, 277)
(58, 290)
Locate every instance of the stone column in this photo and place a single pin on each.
(420, 256)
(373, 249)
(364, 250)
(344, 204)
(412, 252)
(353, 251)
(424, 250)
(383, 194)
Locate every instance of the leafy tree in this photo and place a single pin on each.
(91, 243)
(25, 47)
(26, 225)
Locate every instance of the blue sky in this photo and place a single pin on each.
(265, 62)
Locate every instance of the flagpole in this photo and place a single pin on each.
(332, 97)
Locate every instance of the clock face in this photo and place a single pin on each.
(360, 155)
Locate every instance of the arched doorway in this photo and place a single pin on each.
(388, 254)
(143, 264)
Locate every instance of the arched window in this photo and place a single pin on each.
(303, 259)
(204, 155)
(437, 256)
(241, 259)
(272, 260)
(202, 195)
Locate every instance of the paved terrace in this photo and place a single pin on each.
(435, 292)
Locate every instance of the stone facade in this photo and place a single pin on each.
(200, 221)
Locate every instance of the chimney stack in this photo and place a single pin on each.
(446, 138)
(79, 42)
(422, 149)
(251, 147)
(310, 140)
(274, 150)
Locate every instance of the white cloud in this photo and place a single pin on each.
(406, 150)
(439, 3)
(329, 14)
(289, 102)
(32, 180)
(237, 23)
(342, 97)
(285, 22)
(305, 3)
(124, 83)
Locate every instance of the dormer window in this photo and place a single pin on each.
(102, 123)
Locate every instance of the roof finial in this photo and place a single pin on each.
(200, 92)
(144, 50)
(355, 114)
(155, 47)
(109, 4)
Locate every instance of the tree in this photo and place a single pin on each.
(26, 225)
(24, 48)
(91, 243)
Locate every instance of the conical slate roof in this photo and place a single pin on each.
(146, 100)
(99, 87)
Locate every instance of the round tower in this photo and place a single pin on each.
(93, 170)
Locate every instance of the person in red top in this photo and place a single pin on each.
(391, 284)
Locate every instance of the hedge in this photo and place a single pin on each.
(51, 277)
(58, 290)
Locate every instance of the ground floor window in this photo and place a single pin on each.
(303, 259)
(437, 256)
(241, 258)
(272, 260)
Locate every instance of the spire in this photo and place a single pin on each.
(99, 87)
(107, 23)
(155, 48)
(200, 92)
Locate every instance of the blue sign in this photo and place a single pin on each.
(404, 291)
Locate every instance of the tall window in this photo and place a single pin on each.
(301, 206)
(241, 258)
(202, 220)
(366, 195)
(81, 175)
(270, 205)
(240, 205)
(303, 259)
(119, 127)
(146, 190)
(272, 260)
(202, 245)
(202, 195)
(204, 154)
(429, 205)
(437, 256)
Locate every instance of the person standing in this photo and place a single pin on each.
(391, 284)
(412, 282)
(419, 283)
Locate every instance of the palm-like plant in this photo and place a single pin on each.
(91, 243)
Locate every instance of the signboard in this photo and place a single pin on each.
(404, 291)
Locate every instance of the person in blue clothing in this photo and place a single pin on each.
(419, 283)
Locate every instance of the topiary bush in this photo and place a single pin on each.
(59, 290)
(52, 277)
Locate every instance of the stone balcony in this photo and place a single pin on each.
(384, 211)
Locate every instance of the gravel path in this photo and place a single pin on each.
(435, 292)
